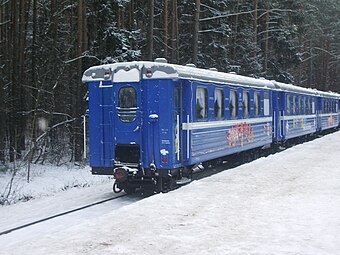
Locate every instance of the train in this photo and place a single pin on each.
(151, 122)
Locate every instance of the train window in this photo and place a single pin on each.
(246, 104)
(266, 104)
(176, 97)
(325, 106)
(257, 103)
(127, 104)
(288, 105)
(299, 110)
(177, 101)
(201, 103)
(294, 105)
(334, 107)
(219, 104)
(303, 105)
(313, 105)
(233, 105)
(308, 109)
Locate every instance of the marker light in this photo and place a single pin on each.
(149, 73)
(107, 74)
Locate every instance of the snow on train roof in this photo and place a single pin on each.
(137, 70)
(134, 71)
(293, 88)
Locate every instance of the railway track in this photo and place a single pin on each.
(199, 173)
(59, 215)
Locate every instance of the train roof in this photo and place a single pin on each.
(292, 88)
(137, 70)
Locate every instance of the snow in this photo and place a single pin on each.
(46, 180)
(287, 203)
(129, 75)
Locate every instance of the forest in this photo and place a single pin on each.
(45, 46)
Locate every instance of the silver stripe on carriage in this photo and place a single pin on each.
(224, 123)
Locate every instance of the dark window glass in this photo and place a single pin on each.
(325, 106)
(201, 103)
(308, 108)
(233, 104)
(177, 102)
(246, 104)
(334, 107)
(257, 103)
(288, 107)
(127, 104)
(219, 104)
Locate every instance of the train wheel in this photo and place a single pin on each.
(115, 188)
(212, 163)
(208, 164)
(129, 189)
(187, 171)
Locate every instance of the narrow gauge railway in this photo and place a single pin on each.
(54, 216)
(198, 173)
(152, 123)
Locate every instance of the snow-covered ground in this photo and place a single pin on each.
(287, 203)
(45, 180)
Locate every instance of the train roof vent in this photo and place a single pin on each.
(161, 60)
(190, 65)
(213, 69)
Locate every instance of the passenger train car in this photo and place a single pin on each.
(152, 122)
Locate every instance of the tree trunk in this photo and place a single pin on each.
(166, 28)
(266, 39)
(256, 3)
(196, 31)
(131, 15)
(236, 31)
(174, 33)
(4, 60)
(13, 90)
(151, 27)
(78, 111)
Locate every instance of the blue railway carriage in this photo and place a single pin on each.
(151, 122)
(328, 110)
(296, 112)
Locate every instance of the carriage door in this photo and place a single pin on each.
(127, 123)
(282, 111)
(178, 120)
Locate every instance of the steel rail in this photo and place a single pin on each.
(58, 215)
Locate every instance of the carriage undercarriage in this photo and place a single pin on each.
(160, 180)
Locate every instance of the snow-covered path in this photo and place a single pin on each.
(287, 203)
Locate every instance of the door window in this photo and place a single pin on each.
(127, 104)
